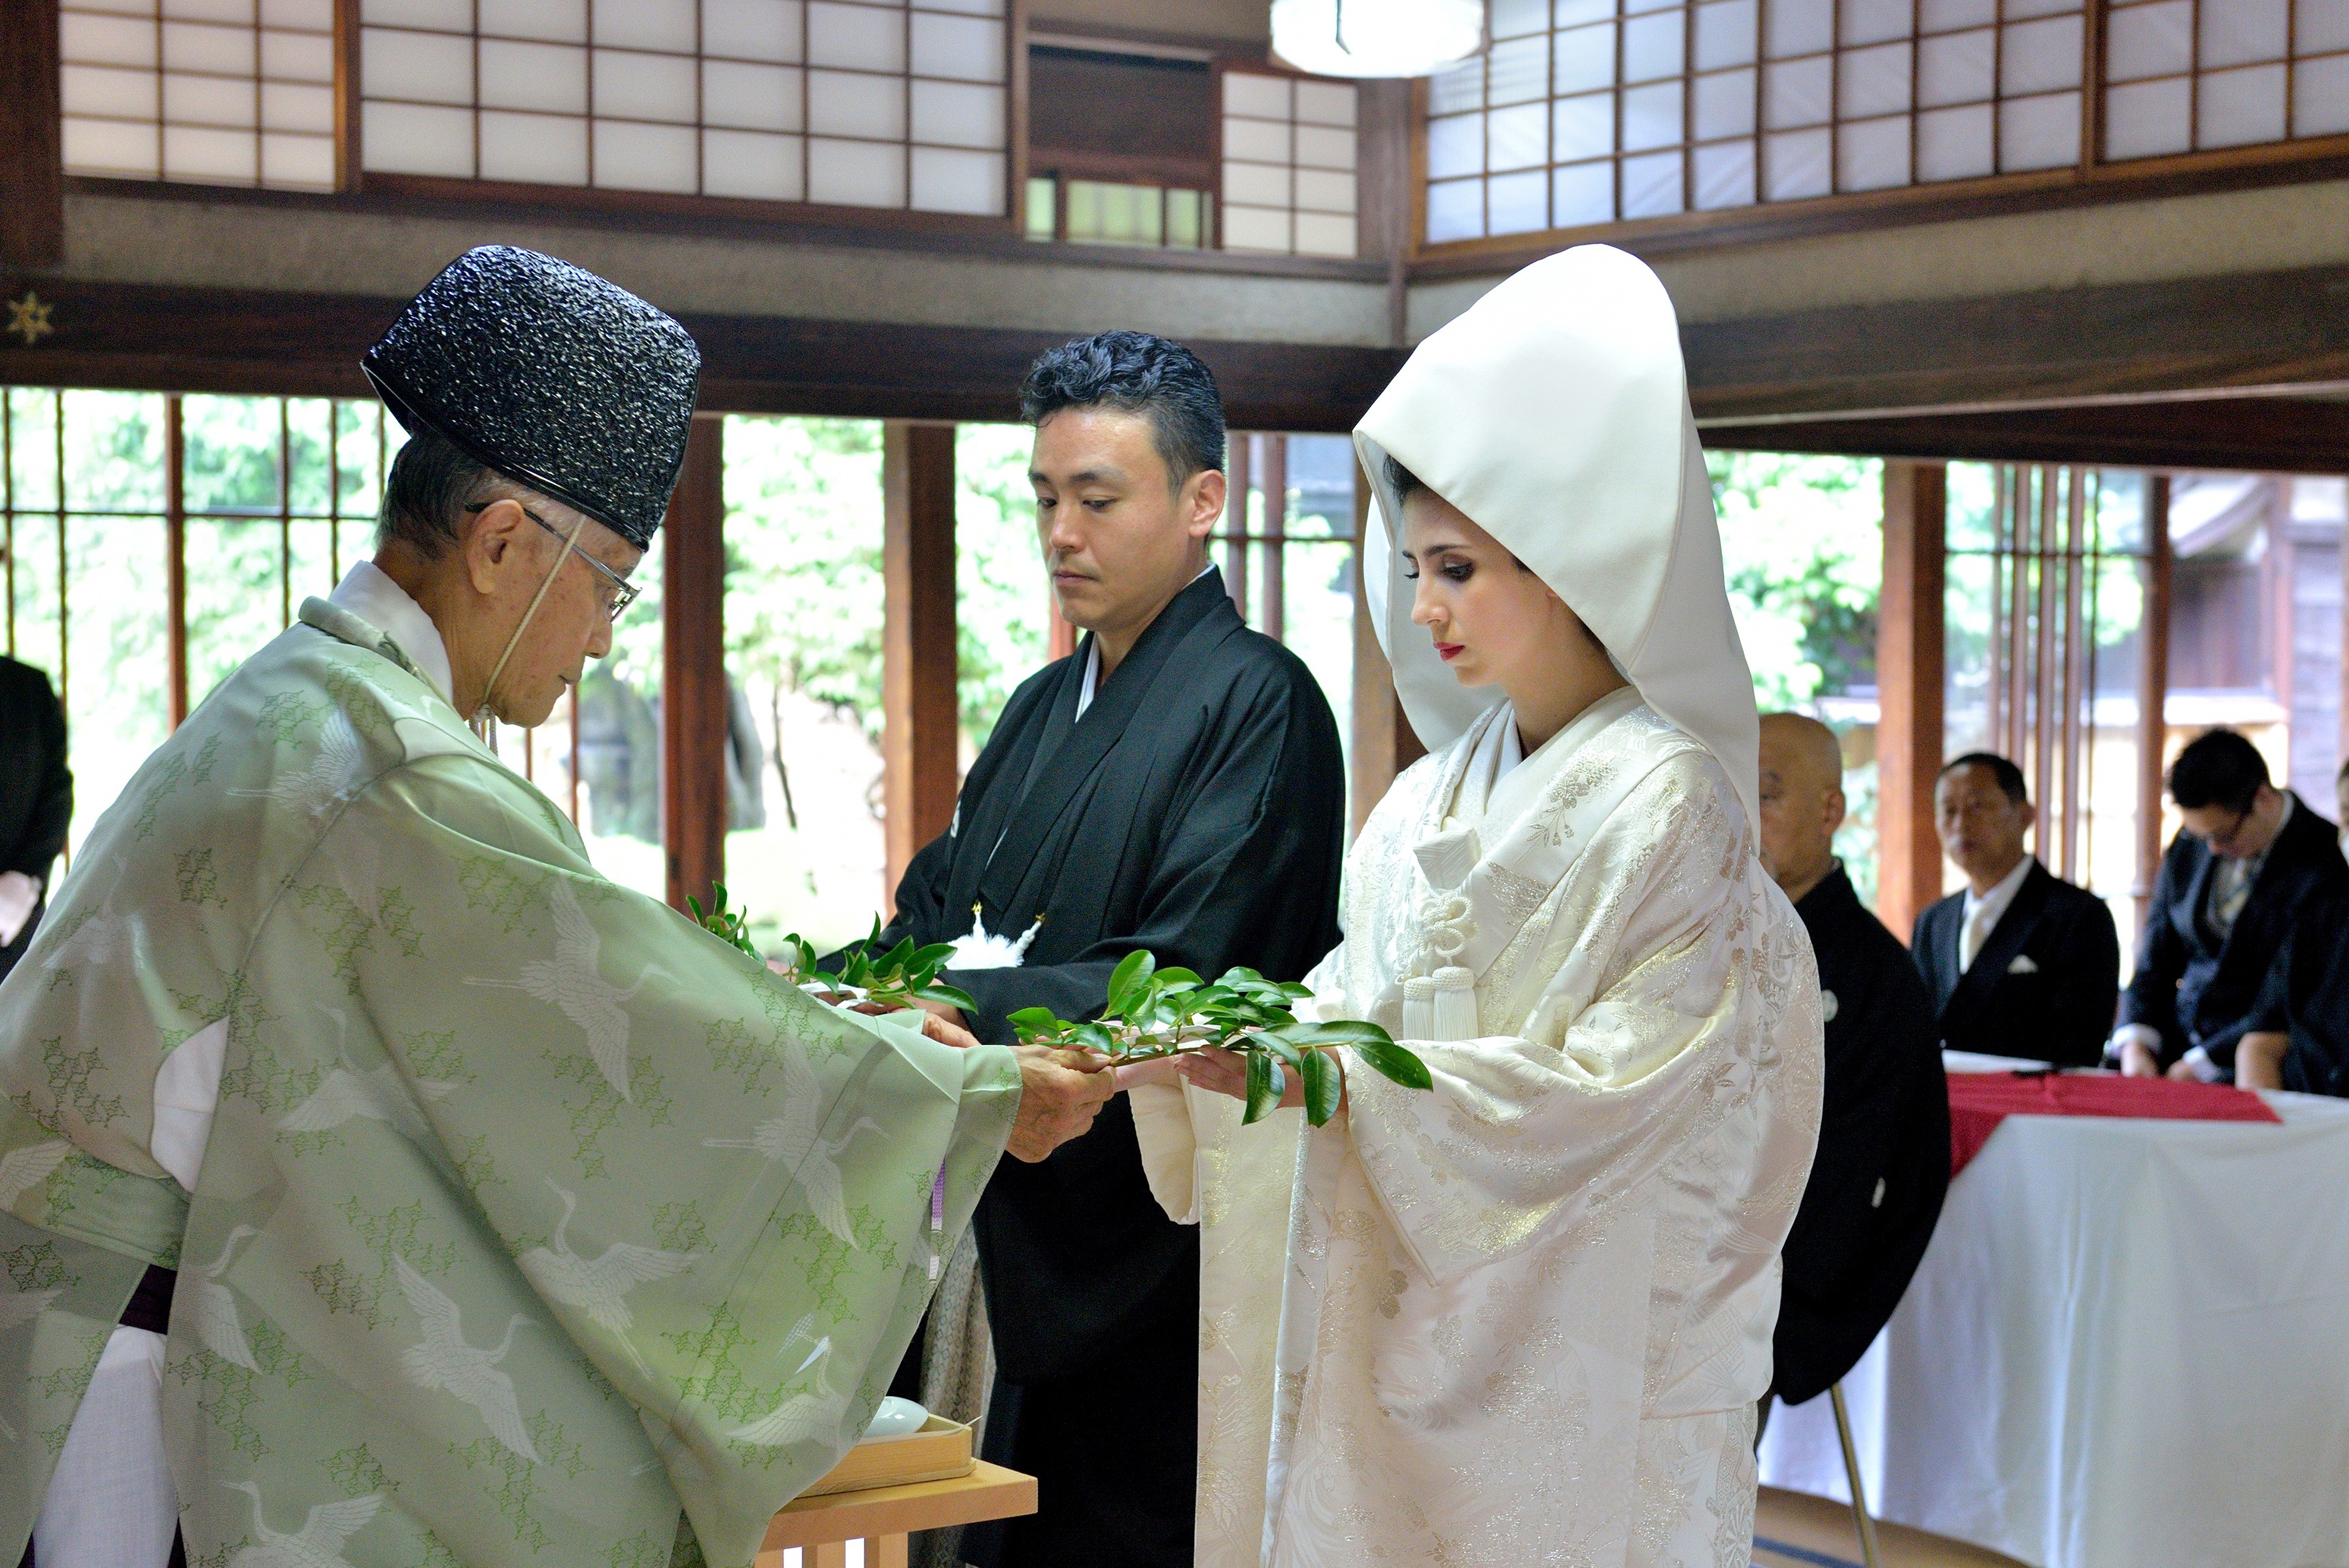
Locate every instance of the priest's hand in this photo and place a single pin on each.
(1060, 1093)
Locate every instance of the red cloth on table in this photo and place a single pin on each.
(1980, 1101)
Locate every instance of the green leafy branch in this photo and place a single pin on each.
(731, 926)
(901, 976)
(1153, 1013)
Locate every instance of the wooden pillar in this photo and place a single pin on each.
(1909, 654)
(32, 167)
(2152, 692)
(693, 669)
(175, 549)
(1273, 481)
(1235, 520)
(1384, 741)
(921, 729)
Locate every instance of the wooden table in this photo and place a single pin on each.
(882, 1516)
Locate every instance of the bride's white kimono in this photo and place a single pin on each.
(1523, 1318)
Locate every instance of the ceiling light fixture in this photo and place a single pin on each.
(1376, 37)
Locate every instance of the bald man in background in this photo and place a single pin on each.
(1883, 1163)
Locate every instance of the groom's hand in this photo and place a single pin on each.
(1060, 1093)
(946, 1011)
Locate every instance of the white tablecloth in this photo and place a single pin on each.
(2126, 1347)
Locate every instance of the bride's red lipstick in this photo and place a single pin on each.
(1449, 651)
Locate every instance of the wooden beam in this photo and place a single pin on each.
(2264, 435)
(1909, 654)
(32, 167)
(921, 734)
(142, 337)
(693, 669)
(2152, 692)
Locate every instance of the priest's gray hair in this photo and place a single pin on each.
(431, 484)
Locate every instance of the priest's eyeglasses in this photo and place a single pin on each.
(616, 598)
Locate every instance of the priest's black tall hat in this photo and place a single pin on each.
(551, 376)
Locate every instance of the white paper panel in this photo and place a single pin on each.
(951, 180)
(2149, 40)
(298, 57)
(2039, 132)
(1325, 191)
(1262, 96)
(737, 95)
(630, 157)
(1260, 140)
(201, 153)
(1726, 104)
(1584, 126)
(453, 15)
(1725, 33)
(314, 16)
(1955, 143)
(106, 40)
(2025, 8)
(1873, 154)
(1517, 204)
(1653, 185)
(1583, 59)
(765, 30)
(222, 101)
(1517, 72)
(418, 139)
(2146, 120)
(1799, 28)
(112, 147)
(298, 106)
(546, 21)
(1875, 21)
(856, 173)
(201, 47)
(1652, 117)
(1725, 175)
(1956, 68)
(1798, 92)
(1950, 16)
(1326, 103)
(645, 86)
(1256, 184)
(958, 114)
(535, 149)
(966, 7)
(2321, 26)
(2244, 32)
(1324, 147)
(1518, 137)
(845, 103)
(1574, 13)
(1654, 46)
(665, 25)
(1448, 92)
(866, 37)
(1326, 235)
(1513, 18)
(2241, 107)
(2320, 96)
(751, 164)
(1581, 193)
(2041, 56)
(966, 48)
(1456, 145)
(1456, 211)
(429, 68)
(109, 90)
(1265, 229)
(1875, 81)
(1797, 163)
(302, 162)
(549, 76)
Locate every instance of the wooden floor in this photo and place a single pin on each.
(1791, 1530)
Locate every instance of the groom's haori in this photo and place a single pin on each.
(1196, 810)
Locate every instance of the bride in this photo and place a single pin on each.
(1524, 1317)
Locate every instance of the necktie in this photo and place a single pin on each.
(1979, 921)
(2231, 889)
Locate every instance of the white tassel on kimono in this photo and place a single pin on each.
(983, 949)
(1453, 1012)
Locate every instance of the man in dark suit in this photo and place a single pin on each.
(2022, 962)
(1883, 1163)
(2251, 860)
(35, 801)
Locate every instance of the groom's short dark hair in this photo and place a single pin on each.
(1139, 374)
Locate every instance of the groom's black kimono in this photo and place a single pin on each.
(1196, 810)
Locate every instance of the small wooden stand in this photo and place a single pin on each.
(884, 1516)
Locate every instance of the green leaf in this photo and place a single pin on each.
(1341, 1032)
(1092, 1036)
(953, 997)
(1265, 1084)
(933, 955)
(1325, 1085)
(1032, 1021)
(1131, 970)
(1271, 1041)
(1235, 974)
(1176, 978)
(1393, 1061)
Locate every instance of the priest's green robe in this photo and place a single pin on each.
(529, 1214)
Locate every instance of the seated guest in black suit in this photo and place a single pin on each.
(2022, 962)
(35, 803)
(1883, 1163)
(2297, 1033)
(2251, 861)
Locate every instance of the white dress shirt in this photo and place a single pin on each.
(1984, 911)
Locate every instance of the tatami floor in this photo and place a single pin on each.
(1791, 1530)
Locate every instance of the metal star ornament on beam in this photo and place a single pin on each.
(28, 318)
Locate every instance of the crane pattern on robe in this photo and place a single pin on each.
(795, 1139)
(598, 1288)
(217, 1325)
(377, 1093)
(25, 1168)
(445, 1361)
(99, 939)
(807, 1414)
(338, 768)
(573, 980)
(317, 1544)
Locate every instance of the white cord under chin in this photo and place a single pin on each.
(481, 714)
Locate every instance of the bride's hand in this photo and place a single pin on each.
(1217, 1070)
(1158, 1069)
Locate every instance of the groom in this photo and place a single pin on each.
(1174, 784)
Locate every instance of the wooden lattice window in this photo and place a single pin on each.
(2189, 75)
(1289, 165)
